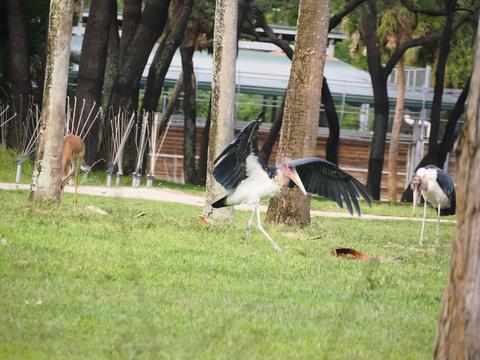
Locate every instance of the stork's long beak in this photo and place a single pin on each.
(416, 191)
(296, 179)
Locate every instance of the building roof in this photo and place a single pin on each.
(267, 72)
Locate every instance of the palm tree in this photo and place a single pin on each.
(398, 25)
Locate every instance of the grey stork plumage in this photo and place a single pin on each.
(240, 172)
(437, 188)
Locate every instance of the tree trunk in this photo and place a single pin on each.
(47, 172)
(223, 98)
(203, 157)
(170, 42)
(302, 108)
(135, 57)
(132, 14)
(451, 129)
(272, 136)
(368, 29)
(444, 46)
(395, 134)
(459, 326)
(111, 65)
(19, 70)
(189, 105)
(333, 123)
(326, 96)
(91, 72)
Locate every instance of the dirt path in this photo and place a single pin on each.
(183, 198)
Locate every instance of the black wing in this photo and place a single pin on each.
(446, 184)
(321, 177)
(230, 165)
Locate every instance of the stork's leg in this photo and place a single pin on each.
(262, 230)
(423, 220)
(246, 237)
(438, 223)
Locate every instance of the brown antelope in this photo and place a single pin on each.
(72, 159)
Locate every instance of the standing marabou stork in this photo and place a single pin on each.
(437, 188)
(239, 171)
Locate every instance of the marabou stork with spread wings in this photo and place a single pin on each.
(239, 171)
(437, 188)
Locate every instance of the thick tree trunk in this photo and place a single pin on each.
(302, 108)
(111, 65)
(381, 106)
(47, 173)
(134, 59)
(459, 327)
(333, 123)
(19, 68)
(326, 96)
(170, 42)
(92, 70)
(223, 98)
(395, 134)
(132, 14)
(444, 46)
(189, 105)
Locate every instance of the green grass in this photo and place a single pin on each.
(81, 285)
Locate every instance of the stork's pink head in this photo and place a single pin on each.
(288, 172)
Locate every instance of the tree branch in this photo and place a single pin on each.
(340, 14)
(282, 44)
(430, 12)
(433, 36)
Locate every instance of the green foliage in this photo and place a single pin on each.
(460, 59)
(81, 285)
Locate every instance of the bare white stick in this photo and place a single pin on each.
(124, 138)
(68, 117)
(82, 134)
(153, 143)
(77, 125)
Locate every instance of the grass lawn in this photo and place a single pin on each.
(80, 285)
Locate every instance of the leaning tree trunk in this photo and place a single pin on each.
(459, 327)
(189, 105)
(272, 136)
(170, 42)
(395, 134)
(47, 173)
(223, 98)
(444, 45)
(302, 108)
(92, 70)
(451, 129)
(19, 70)
(135, 58)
